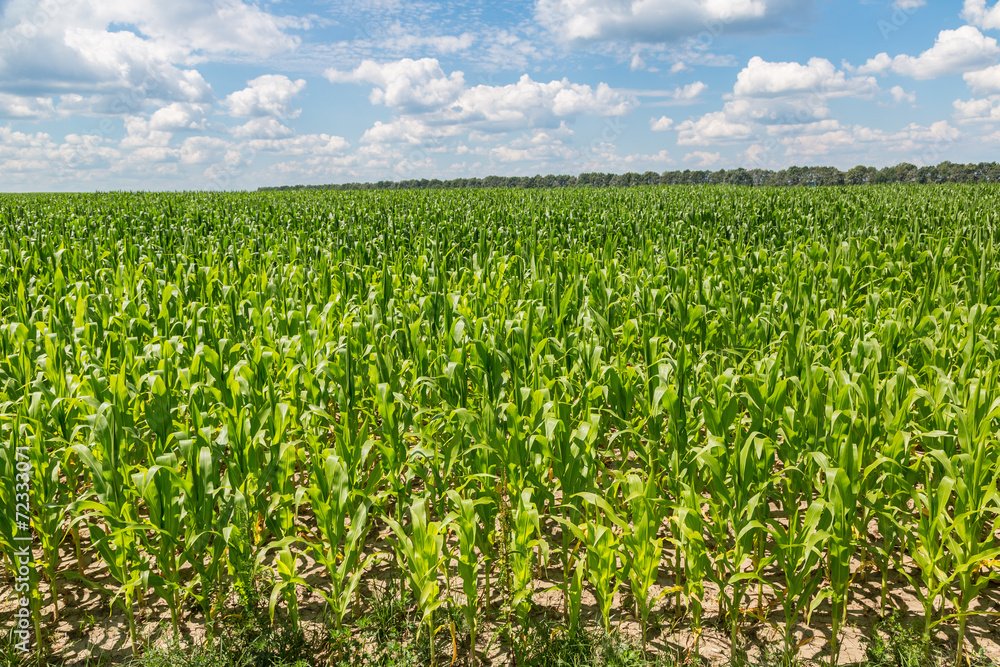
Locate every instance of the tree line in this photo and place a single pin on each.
(946, 172)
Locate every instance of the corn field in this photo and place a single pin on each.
(728, 406)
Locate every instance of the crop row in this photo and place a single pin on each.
(771, 393)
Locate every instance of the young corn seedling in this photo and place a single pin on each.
(642, 547)
(420, 555)
(926, 538)
(524, 539)
(975, 472)
(343, 522)
(798, 552)
(162, 488)
(466, 524)
(697, 564)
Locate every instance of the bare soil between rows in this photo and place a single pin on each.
(89, 628)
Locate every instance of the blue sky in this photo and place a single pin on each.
(234, 94)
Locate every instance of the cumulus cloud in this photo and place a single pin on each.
(922, 144)
(433, 105)
(776, 99)
(711, 128)
(690, 92)
(775, 94)
(405, 84)
(900, 95)
(140, 134)
(267, 95)
(25, 108)
(306, 144)
(180, 116)
(262, 128)
(408, 129)
(661, 124)
(791, 93)
(85, 151)
(761, 78)
(985, 81)
(520, 101)
(202, 150)
(956, 51)
(978, 110)
(661, 21)
(121, 61)
(117, 56)
(977, 13)
(703, 159)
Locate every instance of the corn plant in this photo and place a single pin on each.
(343, 523)
(466, 524)
(420, 551)
(642, 547)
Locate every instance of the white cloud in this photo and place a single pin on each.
(381, 33)
(525, 99)
(956, 51)
(761, 78)
(660, 21)
(405, 84)
(900, 95)
(711, 128)
(267, 95)
(20, 107)
(446, 44)
(679, 96)
(915, 143)
(984, 81)
(434, 105)
(703, 159)
(977, 13)
(507, 50)
(152, 154)
(140, 134)
(27, 158)
(661, 124)
(690, 92)
(179, 116)
(86, 151)
(185, 28)
(10, 139)
(791, 110)
(202, 150)
(783, 111)
(122, 61)
(542, 154)
(122, 56)
(978, 110)
(777, 93)
(908, 5)
(757, 155)
(408, 129)
(306, 144)
(261, 128)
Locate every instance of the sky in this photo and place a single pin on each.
(236, 94)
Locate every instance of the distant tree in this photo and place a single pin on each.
(946, 172)
(859, 175)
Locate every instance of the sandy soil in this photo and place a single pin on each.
(88, 627)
